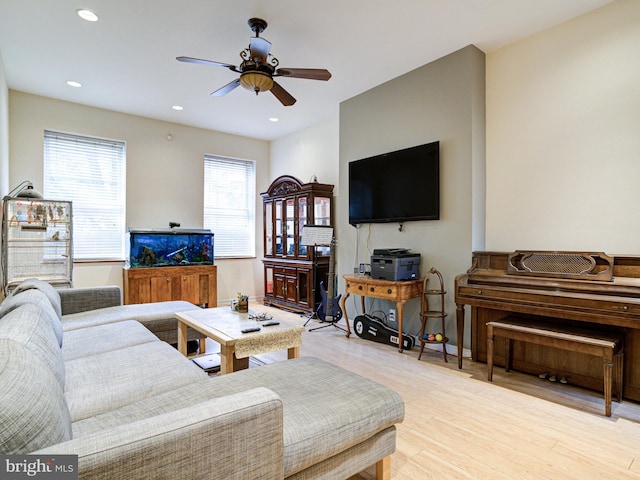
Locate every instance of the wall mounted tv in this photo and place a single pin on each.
(398, 186)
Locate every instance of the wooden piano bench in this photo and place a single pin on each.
(608, 346)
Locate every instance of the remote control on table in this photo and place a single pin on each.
(250, 329)
(271, 323)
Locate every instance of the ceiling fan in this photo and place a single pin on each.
(259, 67)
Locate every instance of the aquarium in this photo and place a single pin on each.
(169, 247)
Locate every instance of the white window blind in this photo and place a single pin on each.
(229, 205)
(90, 172)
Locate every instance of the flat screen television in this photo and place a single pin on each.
(399, 186)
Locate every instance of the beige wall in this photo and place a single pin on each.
(563, 148)
(164, 178)
(4, 140)
(313, 151)
(4, 133)
(443, 101)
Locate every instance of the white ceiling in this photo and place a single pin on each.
(126, 61)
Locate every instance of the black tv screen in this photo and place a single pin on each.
(399, 186)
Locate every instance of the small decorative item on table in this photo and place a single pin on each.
(241, 304)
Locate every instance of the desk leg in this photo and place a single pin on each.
(400, 308)
(182, 338)
(460, 327)
(344, 312)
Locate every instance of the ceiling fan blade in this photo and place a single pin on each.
(206, 62)
(281, 94)
(259, 47)
(226, 89)
(310, 73)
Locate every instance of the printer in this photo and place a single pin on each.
(394, 264)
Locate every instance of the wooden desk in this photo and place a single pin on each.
(399, 292)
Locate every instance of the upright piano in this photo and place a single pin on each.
(587, 289)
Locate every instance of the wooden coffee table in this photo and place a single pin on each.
(225, 326)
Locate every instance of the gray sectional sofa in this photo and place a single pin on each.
(80, 375)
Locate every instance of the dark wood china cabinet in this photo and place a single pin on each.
(290, 268)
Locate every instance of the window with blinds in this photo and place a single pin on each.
(229, 205)
(90, 172)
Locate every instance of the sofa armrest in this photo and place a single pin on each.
(76, 300)
(238, 436)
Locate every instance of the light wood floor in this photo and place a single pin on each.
(458, 425)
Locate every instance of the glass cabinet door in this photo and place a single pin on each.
(302, 221)
(268, 228)
(322, 210)
(290, 225)
(278, 227)
(322, 216)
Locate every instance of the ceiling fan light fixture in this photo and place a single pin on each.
(258, 68)
(87, 15)
(256, 81)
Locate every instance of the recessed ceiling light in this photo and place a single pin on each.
(178, 107)
(71, 83)
(87, 15)
(274, 119)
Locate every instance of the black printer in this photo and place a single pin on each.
(394, 264)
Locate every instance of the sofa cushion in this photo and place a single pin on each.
(77, 299)
(30, 326)
(35, 297)
(146, 313)
(110, 380)
(327, 409)
(33, 412)
(46, 288)
(105, 338)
